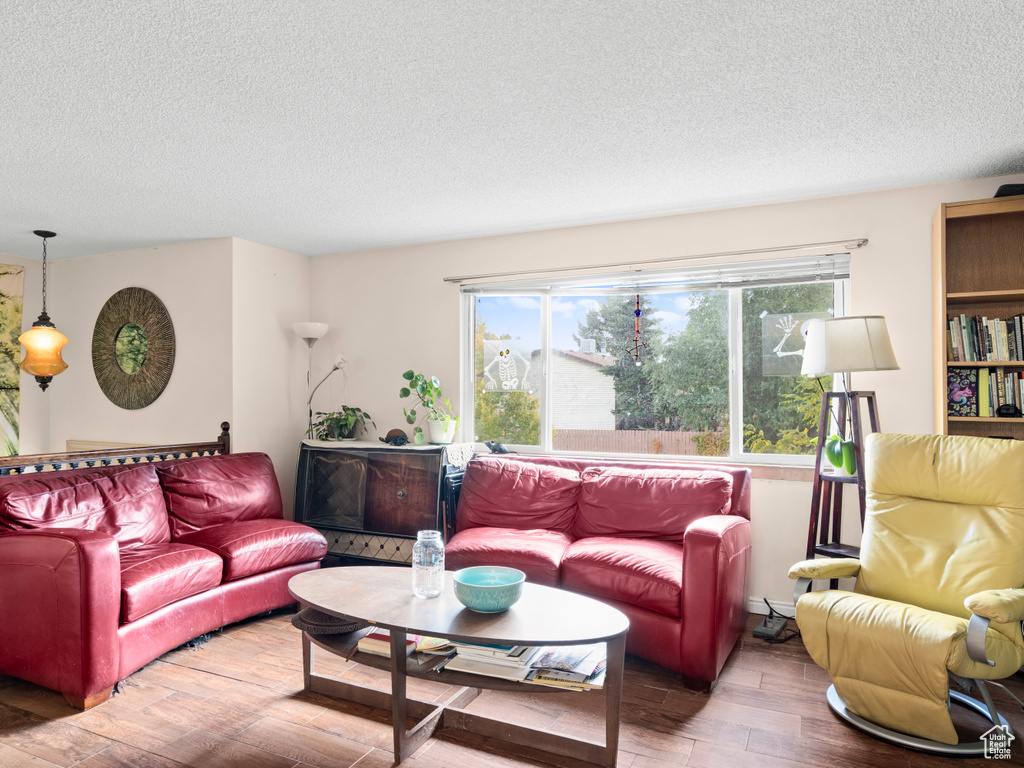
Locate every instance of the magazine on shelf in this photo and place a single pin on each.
(583, 659)
(559, 676)
(557, 679)
(435, 646)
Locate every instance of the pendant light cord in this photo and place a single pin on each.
(44, 275)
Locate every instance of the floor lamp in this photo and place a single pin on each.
(842, 345)
(310, 333)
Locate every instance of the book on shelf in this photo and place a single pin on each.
(962, 391)
(485, 667)
(378, 643)
(984, 401)
(982, 339)
(511, 656)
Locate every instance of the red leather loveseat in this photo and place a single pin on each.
(668, 544)
(102, 570)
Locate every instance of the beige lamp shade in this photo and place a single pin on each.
(846, 345)
(42, 351)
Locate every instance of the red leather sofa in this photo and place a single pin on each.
(102, 570)
(668, 544)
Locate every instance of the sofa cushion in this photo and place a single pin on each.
(155, 575)
(257, 546)
(642, 572)
(537, 553)
(213, 490)
(505, 493)
(124, 502)
(648, 503)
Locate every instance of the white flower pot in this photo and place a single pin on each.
(441, 432)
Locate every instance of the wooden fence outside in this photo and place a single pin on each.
(626, 441)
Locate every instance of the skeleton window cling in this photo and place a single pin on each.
(787, 324)
(507, 370)
(637, 343)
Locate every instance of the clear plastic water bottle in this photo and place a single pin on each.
(428, 564)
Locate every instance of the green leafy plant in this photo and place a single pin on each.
(840, 453)
(432, 400)
(337, 425)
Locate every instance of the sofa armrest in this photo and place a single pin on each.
(716, 569)
(61, 605)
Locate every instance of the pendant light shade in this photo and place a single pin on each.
(43, 342)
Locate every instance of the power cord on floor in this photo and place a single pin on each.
(781, 638)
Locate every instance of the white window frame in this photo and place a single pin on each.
(735, 340)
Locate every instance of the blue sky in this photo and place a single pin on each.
(520, 315)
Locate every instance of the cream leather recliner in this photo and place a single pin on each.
(938, 593)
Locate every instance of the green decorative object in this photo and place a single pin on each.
(841, 454)
(345, 424)
(438, 407)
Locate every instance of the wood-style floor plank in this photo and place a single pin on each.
(237, 702)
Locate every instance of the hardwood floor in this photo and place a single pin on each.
(238, 701)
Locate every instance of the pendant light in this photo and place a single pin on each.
(43, 342)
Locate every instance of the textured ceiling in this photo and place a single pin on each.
(323, 127)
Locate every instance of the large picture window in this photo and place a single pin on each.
(687, 363)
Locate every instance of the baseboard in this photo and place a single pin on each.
(756, 605)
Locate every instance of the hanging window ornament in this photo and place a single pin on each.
(637, 343)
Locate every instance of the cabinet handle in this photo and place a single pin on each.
(401, 493)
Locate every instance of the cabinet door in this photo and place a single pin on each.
(337, 490)
(401, 492)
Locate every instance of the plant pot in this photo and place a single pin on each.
(441, 432)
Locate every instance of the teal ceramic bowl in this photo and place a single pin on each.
(488, 588)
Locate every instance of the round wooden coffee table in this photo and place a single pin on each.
(382, 596)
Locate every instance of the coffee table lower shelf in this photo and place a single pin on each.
(451, 713)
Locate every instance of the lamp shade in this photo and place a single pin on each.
(42, 351)
(309, 331)
(846, 345)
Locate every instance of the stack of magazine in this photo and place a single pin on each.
(509, 662)
(576, 667)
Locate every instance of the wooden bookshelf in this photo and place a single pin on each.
(978, 269)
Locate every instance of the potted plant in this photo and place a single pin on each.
(441, 422)
(344, 424)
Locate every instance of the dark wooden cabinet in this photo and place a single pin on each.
(370, 500)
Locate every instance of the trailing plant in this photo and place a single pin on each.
(337, 425)
(432, 401)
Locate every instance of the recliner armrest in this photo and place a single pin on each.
(826, 568)
(999, 605)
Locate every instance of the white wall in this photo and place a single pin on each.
(270, 291)
(393, 311)
(193, 280)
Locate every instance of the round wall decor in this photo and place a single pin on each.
(133, 348)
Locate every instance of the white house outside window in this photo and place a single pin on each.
(553, 365)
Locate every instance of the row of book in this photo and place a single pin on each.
(980, 339)
(980, 391)
(576, 667)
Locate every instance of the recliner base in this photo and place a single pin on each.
(968, 749)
